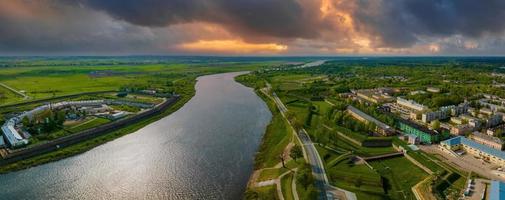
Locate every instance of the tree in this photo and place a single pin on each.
(282, 160)
(297, 125)
(296, 152)
(435, 124)
(25, 121)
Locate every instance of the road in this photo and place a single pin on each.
(15, 91)
(312, 154)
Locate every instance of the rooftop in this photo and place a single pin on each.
(497, 190)
(473, 144)
(487, 137)
(368, 117)
(416, 126)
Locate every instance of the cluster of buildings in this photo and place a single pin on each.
(14, 135)
(377, 96)
(476, 130)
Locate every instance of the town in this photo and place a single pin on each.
(389, 136)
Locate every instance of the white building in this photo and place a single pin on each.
(410, 104)
(11, 134)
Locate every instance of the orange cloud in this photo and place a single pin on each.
(232, 46)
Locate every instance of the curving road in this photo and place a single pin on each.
(313, 156)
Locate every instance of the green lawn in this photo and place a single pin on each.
(268, 174)
(7, 96)
(96, 121)
(287, 190)
(400, 176)
(360, 179)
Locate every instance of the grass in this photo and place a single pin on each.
(266, 192)
(97, 121)
(269, 174)
(400, 176)
(7, 96)
(277, 136)
(49, 81)
(360, 179)
(287, 190)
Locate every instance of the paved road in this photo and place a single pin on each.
(313, 156)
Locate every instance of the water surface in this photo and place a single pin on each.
(204, 150)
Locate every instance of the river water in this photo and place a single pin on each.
(205, 150)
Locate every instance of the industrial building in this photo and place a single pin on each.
(11, 134)
(485, 152)
(382, 128)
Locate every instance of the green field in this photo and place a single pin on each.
(51, 81)
(400, 176)
(287, 190)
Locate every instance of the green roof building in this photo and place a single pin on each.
(424, 134)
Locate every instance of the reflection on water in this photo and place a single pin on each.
(204, 150)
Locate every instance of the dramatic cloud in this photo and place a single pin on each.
(401, 23)
(292, 27)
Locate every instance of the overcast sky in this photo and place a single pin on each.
(252, 27)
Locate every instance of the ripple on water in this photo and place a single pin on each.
(204, 150)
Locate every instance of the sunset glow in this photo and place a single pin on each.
(232, 46)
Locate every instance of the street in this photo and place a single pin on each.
(313, 156)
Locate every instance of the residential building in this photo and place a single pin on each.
(457, 120)
(445, 112)
(382, 128)
(493, 120)
(487, 140)
(496, 130)
(484, 152)
(424, 134)
(378, 96)
(431, 116)
(472, 121)
(486, 111)
(461, 129)
(410, 104)
(460, 109)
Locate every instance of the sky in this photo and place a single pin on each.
(252, 27)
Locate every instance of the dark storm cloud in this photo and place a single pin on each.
(400, 23)
(250, 18)
(159, 26)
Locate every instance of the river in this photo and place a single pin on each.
(205, 150)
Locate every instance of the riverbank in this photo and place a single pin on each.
(186, 91)
(270, 170)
